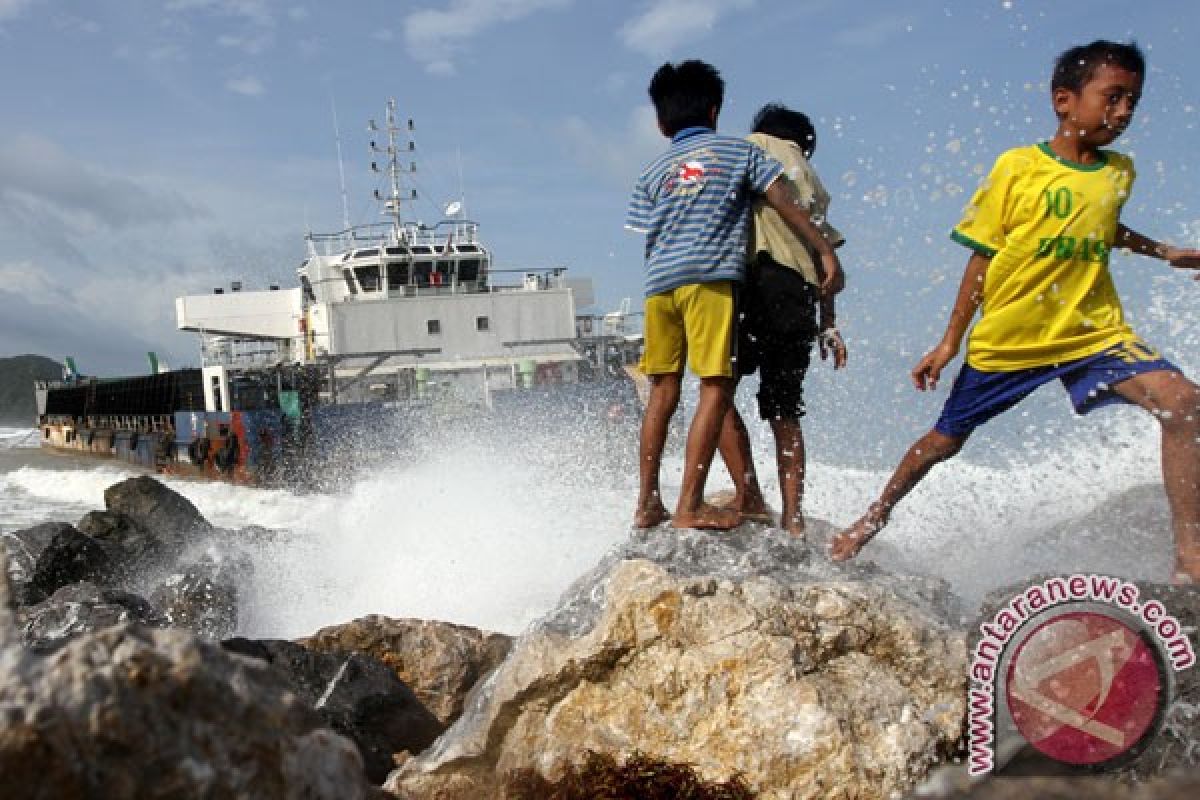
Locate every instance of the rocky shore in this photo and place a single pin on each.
(743, 654)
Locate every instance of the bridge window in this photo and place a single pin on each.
(421, 270)
(368, 277)
(434, 326)
(397, 275)
(468, 270)
(350, 284)
(482, 324)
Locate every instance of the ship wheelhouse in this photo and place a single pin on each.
(408, 261)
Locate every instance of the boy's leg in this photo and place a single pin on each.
(660, 407)
(1175, 402)
(662, 362)
(932, 448)
(789, 455)
(708, 317)
(738, 456)
(716, 394)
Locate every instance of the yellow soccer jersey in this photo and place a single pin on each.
(1048, 225)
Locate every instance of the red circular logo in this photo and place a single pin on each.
(1085, 688)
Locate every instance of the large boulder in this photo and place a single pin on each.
(130, 713)
(165, 513)
(356, 695)
(736, 653)
(440, 661)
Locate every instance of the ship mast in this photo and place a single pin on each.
(396, 197)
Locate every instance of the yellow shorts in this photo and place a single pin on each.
(692, 323)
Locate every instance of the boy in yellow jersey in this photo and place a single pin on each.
(1040, 229)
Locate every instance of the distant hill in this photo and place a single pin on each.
(17, 375)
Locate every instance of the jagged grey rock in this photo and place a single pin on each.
(165, 513)
(202, 598)
(440, 661)
(131, 546)
(357, 695)
(24, 546)
(81, 608)
(70, 557)
(130, 713)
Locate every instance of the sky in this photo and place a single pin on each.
(153, 148)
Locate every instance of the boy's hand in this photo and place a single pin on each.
(831, 343)
(1182, 259)
(927, 371)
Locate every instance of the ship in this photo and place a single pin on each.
(389, 325)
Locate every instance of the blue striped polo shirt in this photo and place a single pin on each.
(693, 204)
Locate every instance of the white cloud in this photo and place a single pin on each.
(250, 43)
(38, 180)
(13, 8)
(256, 11)
(435, 36)
(873, 32)
(616, 157)
(68, 23)
(667, 24)
(247, 85)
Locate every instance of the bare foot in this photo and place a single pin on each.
(795, 527)
(1187, 572)
(707, 518)
(751, 509)
(847, 544)
(651, 517)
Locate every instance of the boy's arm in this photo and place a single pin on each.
(970, 293)
(781, 197)
(1145, 246)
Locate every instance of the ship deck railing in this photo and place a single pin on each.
(411, 233)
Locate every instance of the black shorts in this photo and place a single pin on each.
(776, 329)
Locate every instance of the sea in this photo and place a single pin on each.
(488, 529)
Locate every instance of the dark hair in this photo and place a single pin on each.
(685, 94)
(1075, 67)
(775, 119)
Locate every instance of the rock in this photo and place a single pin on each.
(166, 513)
(735, 652)
(1177, 785)
(132, 547)
(203, 598)
(130, 713)
(24, 547)
(440, 661)
(81, 608)
(70, 557)
(357, 696)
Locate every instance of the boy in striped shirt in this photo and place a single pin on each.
(693, 204)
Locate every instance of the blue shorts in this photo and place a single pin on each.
(978, 396)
